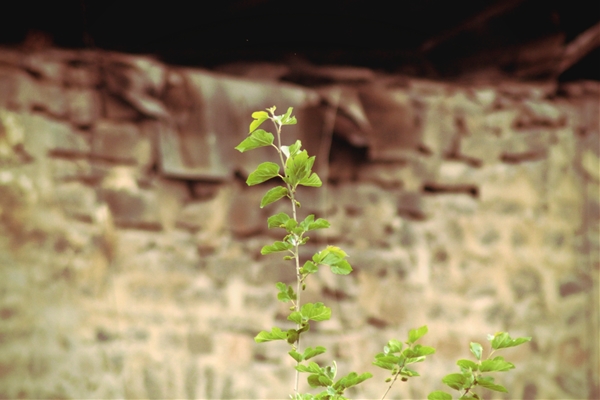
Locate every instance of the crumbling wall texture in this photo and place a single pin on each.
(130, 261)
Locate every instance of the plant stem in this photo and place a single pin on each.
(296, 249)
(391, 384)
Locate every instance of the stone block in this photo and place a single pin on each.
(508, 188)
(456, 173)
(429, 88)
(68, 169)
(121, 141)
(10, 57)
(411, 205)
(245, 217)
(526, 282)
(590, 156)
(172, 195)
(84, 106)
(485, 96)
(540, 113)
(468, 113)
(387, 175)
(133, 209)
(393, 119)
(527, 146)
(130, 205)
(82, 75)
(12, 136)
(500, 123)
(481, 148)
(77, 200)
(18, 90)
(438, 127)
(47, 65)
(452, 203)
(51, 99)
(208, 217)
(43, 135)
(117, 109)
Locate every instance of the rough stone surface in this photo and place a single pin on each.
(130, 261)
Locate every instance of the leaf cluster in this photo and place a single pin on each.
(326, 377)
(471, 372)
(395, 357)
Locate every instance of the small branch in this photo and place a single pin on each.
(391, 384)
(501, 7)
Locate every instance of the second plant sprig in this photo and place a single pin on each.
(297, 171)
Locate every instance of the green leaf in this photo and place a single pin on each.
(502, 340)
(292, 336)
(290, 225)
(309, 267)
(313, 181)
(275, 247)
(362, 377)
(466, 364)
(286, 292)
(488, 383)
(312, 367)
(273, 195)
(416, 334)
(310, 352)
(388, 359)
(259, 118)
(331, 255)
(455, 381)
(309, 223)
(263, 172)
(275, 334)
(419, 351)
(277, 220)
(352, 379)
(476, 349)
(319, 380)
(341, 268)
(257, 139)
(439, 395)
(287, 118)
(291, 150)
(295, 148)
(318, 224)
(394, 346)
(334, 257)
(384, 365)
(316, 311)
(260, 115)
(298, 167)
(409, 372)
(296, 317)
(496, 364)
(296, 356)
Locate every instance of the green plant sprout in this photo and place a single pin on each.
(294, 170)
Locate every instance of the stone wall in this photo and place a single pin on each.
(129, 245)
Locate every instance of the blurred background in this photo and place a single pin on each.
(459, 144)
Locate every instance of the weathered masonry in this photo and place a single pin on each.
(129, 244)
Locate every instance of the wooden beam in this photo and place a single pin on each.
(583, 44)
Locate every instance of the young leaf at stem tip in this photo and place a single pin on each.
(259, 118)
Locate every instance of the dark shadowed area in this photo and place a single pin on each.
(432, 38)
